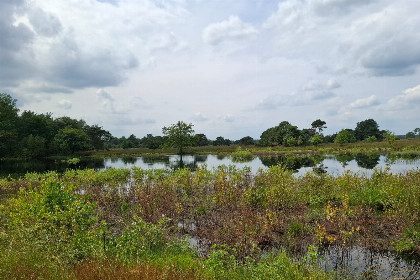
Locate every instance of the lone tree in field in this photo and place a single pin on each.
(179, 135)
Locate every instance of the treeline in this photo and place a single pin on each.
(287, 134)
(155, 142)
(28, 134)
(38, 135)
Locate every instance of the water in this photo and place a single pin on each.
(362, 164)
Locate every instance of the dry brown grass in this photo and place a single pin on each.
(111, 270)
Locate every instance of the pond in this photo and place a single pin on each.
(362, 164)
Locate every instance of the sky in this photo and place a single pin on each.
(232, 68)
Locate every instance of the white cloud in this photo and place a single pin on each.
(232, 29)
(365, 102)
(410, 98)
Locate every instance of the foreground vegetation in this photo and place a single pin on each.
(131, 224)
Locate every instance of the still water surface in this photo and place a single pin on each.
(362, 164)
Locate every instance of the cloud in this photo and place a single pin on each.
(228, 118)
(44, 23)
(410, 98)
(63, 45)
(65, 104)
(353, 36)
(232, 29)
(199, 117)
(365, 102)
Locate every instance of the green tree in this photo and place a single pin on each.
(34, 146)
(389, 136)
(410, 134)
(344, 136)
(98, 136)
(179, 135)
(280, 135)
(8, 125)
(417, 131)
(367, 128)
(246, 141)
(64, 122)
(151, 142)
(318, 125)
(221, 141)
(316, 139)
(201, 140)
(36, 128)
(71, 140)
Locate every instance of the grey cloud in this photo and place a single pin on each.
(65, 104)
(44, 23)
(321, 95)
(15, 45)
(337, 7)
(395, 58)
(50, 89)
(76, 68)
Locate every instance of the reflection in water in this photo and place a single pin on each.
(344, 159)
(221, 156)
(16, 168)
(290, 162)
(129, 160)
(368, 264)
(335, 165)
(367, 161)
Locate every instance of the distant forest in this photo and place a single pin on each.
(32, 135)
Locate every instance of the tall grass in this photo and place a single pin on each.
(91, 225)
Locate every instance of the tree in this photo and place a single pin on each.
(417, 131)
(318, 124)
(8, 125)
(246, 141)
(179, 135)
(98, 136)
(151, 142)
(280, 135)
(201, 140)
(344, 136)
(389, 136)
(316, 139)
(72, 140)
(410, 135)
(367, 128)
(220, 141)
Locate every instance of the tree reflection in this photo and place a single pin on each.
(290, 162)
(367, 161)
(344, 159)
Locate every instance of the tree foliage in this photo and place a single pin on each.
(367, 128)
(179, 135)
(345, 136)
(8, 124)
(221, 141)
(318, 125)
(71, 140)
(283, 134)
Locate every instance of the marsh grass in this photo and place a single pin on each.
(89, 225)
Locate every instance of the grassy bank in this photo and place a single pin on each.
(90, 225)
